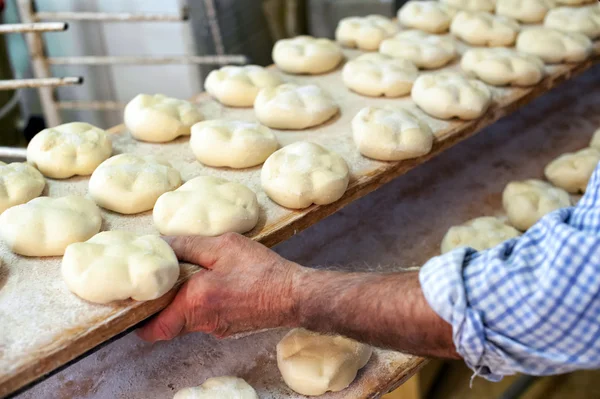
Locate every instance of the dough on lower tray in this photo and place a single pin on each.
(19, 182)
(219, 388)
(427, 15)
(479, 233)
(526, 11)
(572, 171)
(306, 55)
(425, 50)
(366, 33)
(503, 66)
(484, 29)
(584, 20)
(554, 46)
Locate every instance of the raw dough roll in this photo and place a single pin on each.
(526, 11)
(19, 183)
(306, 54)
(366, 33)
(554, 46)
(484, 29)
(572, 171)
(585, 20)
(219, 388)
(480, 234)
(425, 50)
(502, 66)
(427, 15)
(472, 5)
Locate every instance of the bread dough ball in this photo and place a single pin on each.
(230, 143)
(312, 364)
(573, 2)
(527, 201)
(595, 142)
(130, 183)
(427, 15)
(484, 29)
(572, 171)
(306, 54)
(379, 75)
(19, 183)
(117, 265)
(219, 388)
(304, 173)
(472, 5)
(584, 20)
(206, 206)
(366, 33)
(479, 233)
(75, 148)
(390, 134)
(238, 86)
(46, 226)
(291, 106)
(158, 118)
(554, 46)
(502, 66)
(426, 51)
(527, 11)
(447, 95)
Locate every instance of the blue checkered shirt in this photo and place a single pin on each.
(531, 304)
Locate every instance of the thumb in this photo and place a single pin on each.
(166, 325)
(201, 251)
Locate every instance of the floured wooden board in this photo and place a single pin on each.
(400, 225)
(42, 325)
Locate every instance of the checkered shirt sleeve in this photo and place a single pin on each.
(531, 304)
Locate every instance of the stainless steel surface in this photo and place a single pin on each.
(38, 83)
(141, 60)
(35, 27)
(109, 17)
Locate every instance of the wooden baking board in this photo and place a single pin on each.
(44, 326)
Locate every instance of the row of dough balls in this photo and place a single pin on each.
(310, 364)
(526, 202)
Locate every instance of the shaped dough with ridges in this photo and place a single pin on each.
(484, 29)
(527, 11)
(306, 54)
(46, 226)
(480, 234)
(219, 388)
(502, 66)
(75, 148)
(19, 183)
(447, 95)
(206, 206)
(585, 20)
(238, 86)
(426, 51)
(527, 201)
(117, 265)
(390, 134)
(366, 33)
(130, 183)
(427, 15)
(472, 5)
(377, 75)
(554, 46)
(291, 106)
(572, 171)
(158, 118)
(302, 174)
(234, 144)
(312, 364)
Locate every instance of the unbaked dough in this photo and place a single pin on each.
(572, 171)
(19, 183)
(425, 50)
(235, 144)
(366, 33)
(291, 106)
(45, 226)
(158, 118)
(306, 54)
(312, 364)
(304, 173)
(427, 15)
(585, 20)
(554, 46)
(595, 142)
(484, 29)
(527, 201)
(449, 94)
(574, 2)
(472, 5)
(480, 234)
(206, 206)
(219, 388)
(238, 86)
(527, 11)
(502, 66)
(130, 183)
(377, 75)
(117, 265)
(390, 133)
(75, 148)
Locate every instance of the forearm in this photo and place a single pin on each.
(386, 310)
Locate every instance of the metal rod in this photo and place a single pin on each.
(13, 84)
(13, 152)
(92, 105)
(145, 60)
(39, 64)
(213, 23)
(35, 27)
(109, 17)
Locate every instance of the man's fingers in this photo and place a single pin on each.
(202, 251)
(166, 325)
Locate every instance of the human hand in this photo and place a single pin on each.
(244, 287)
